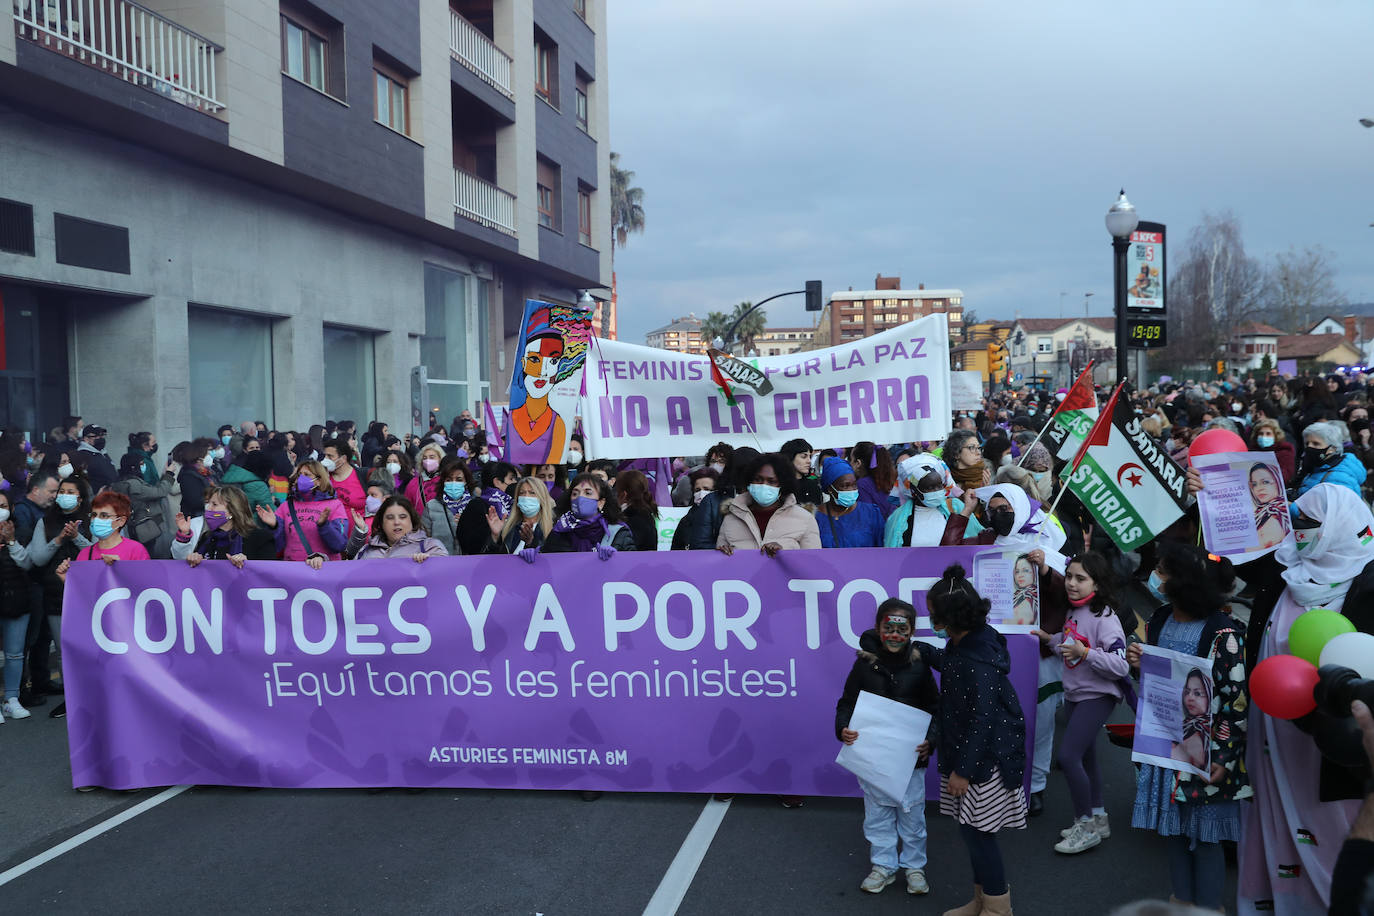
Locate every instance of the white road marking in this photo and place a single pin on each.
(678, 878)
(90, 833)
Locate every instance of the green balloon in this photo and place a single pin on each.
(1313, 630)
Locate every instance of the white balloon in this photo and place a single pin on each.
(1351, 650)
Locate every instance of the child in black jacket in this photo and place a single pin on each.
(889, 666)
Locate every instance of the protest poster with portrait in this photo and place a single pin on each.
(1173, 720)
(547, 382)
(1009, 580)
(1243, 506)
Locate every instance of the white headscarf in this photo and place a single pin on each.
(1044, 532)
(917, 466)
(1344, 546)
(927, 524)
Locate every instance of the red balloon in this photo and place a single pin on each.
(1217, 440)
(1282, 685)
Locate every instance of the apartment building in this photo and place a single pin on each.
(855, 314)
(682, 335)
(216, 210)
(782, 341)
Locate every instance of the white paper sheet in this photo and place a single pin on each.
(884, 754)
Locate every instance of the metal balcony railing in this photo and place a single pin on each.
(483, 202)
(479, 54)
(128, 40)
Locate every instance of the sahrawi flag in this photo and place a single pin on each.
(1132, 488)
(1074, 416)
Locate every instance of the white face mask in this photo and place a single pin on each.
(64, 471)
(4, 515)
(574, 458)
(329, 465)
(698, 496)
(718, 467)
(393, 468)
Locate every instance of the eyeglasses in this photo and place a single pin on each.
(976, 448)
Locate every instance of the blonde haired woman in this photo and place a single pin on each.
(525, 529)
(425, 484)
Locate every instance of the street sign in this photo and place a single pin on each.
(1145, 270)
(1146, 333)
(1016, 377)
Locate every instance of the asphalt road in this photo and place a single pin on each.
(227, 850)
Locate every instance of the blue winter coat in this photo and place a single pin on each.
(1347, 472)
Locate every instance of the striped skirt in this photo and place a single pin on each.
(987, 806)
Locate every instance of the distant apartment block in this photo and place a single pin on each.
(782, 341)
(856, 314)
(682, 336)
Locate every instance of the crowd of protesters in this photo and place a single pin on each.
(337, 493)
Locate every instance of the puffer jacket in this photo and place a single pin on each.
(255, 488)
(362, 547)
(903, 677)
(1347, 472)
(981, 726)
(791, 526)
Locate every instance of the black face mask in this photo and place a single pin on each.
(152, 449)
(1312, 457)
(1001, 521)
(99, 444)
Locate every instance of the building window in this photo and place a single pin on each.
(580, 8)
(391, 98)
(455, 348)
(584, 217)
(550, 194)
(545, 68)
(232, 353)
(350, 371)
(1044, 345)
(305, 54)
(582, 85)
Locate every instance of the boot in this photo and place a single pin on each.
(973, 908)
(997, 906)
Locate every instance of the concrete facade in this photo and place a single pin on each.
(292, 205)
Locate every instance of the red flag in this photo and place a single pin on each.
(1101, 432)
(719, 378)
(1080, 396)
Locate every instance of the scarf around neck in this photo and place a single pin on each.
(584, 534)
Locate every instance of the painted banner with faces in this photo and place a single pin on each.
(547, 382)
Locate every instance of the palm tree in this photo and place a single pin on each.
(749, 326)
(627, 206)
(714, 325)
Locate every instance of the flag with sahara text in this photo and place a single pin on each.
(1074, 417)
(1133, 489)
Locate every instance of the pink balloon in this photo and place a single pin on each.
(1282, 685)
(1217, 440)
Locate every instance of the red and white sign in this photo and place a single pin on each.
(1145, 270)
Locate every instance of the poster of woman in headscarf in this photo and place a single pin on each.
(1173, 725)
(1011, 583)
(544, 389)
(1243, 507)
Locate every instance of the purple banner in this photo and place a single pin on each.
(682, 672)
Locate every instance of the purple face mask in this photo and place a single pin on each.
(304, 484)
(548, 484)
(214, 518)
(584, 507)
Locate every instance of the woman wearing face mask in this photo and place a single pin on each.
(1268, 436)
(1324, 460)
(701, 483)
(1034, 474)
(395, 532)
(151, 504)
(226, 531)
(378, 489)
(589, 519)
(766, 516)
(523, 532)
(873, 470)
(195, 459)
(16, 607)
(920, 521)
(397, 463)
(554, 477)
(424, 485)
(1330, 564)
(718, 457)
(577, 449)
(312, 525)
(498, 486)
(143, 446)
(453, 493)
(844, 521)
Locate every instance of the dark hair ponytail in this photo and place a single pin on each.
(954, 602)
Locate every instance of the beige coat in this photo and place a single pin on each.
(791, 527)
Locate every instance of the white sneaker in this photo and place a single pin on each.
(877, 880)
(916, 882)
(1099, 823)
(14, 710)
(1082, 838)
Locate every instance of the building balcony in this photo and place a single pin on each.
(479, 54)
(129, 41)
(483, 202)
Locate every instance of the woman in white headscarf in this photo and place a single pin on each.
(1304, 803)
(920, 521)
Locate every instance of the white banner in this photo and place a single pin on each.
(966, 390)
(892, 387)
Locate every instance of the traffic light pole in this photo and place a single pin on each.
(812, 291)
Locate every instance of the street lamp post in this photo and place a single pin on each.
(1121, 222)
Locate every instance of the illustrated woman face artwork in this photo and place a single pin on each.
(1195, 699)
(540, 366)
(1023, 573)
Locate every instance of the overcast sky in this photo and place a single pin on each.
(977, 145)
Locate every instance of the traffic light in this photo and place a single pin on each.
(813, 295)
(1221, 368)
(997, 360)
